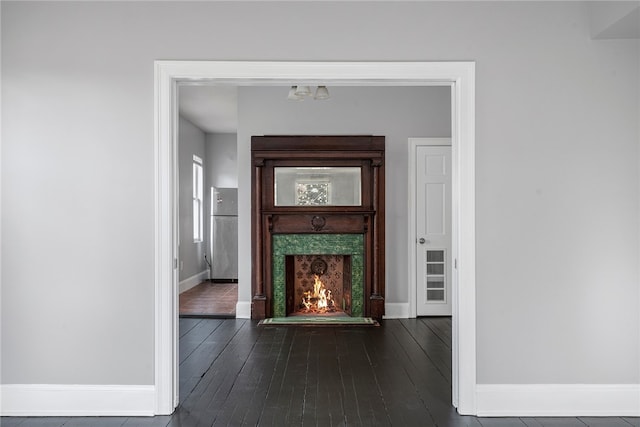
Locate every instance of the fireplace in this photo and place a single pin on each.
(318, 285)
(317, 226)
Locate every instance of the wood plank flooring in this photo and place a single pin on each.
(235, 373)
(209, 300)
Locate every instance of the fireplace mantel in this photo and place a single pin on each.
(362, 155)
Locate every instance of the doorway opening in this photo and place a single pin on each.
(207, 201)
(460, 76)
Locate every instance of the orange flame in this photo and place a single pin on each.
(320, 300)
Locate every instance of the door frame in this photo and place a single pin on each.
(413, 145)
(460, 76)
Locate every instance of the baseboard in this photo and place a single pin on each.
(558, 400)
(77, 400)
(223, 280)
(243, 310)
(396, 310)
(192, 281)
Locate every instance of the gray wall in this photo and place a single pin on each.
(397, 113)
(222, 160)
(191, 141)
(557, 173)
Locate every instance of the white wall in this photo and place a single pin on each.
(397, 113)
(557, 164)
(191, 141)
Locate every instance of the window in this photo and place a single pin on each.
(312, 193)
(198, 195)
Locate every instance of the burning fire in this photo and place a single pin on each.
(320, 300)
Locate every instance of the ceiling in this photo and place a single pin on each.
(615, 19)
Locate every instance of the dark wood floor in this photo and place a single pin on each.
(235, 373)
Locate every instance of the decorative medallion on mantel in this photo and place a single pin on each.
(318, 222)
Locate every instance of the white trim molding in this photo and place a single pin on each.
(193, 281)
(429, 141)
(77, 400)
(243, 310)
(558, 400)
(459, 75)
(396, 310)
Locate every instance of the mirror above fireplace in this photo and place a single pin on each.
(317, 186)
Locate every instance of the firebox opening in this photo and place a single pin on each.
(318, 285)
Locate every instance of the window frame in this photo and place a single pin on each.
(198, 199)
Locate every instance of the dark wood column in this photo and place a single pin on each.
(259, 300)
(377, 291)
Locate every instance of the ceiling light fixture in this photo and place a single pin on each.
(322, 93)
(298, 93)
(303, 91)
(293, 96)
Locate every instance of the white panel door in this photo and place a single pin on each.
(433, 230)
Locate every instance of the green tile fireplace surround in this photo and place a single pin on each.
(318, 244)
